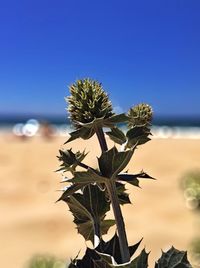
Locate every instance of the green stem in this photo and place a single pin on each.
(101, 138)
(123, 243)
(111, 188)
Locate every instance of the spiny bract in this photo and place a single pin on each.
(87, 102)
(140, 115)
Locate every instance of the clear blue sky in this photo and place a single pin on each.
(141, 50)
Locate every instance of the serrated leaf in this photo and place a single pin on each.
(88, 259)
(121, 160)
(117, 135)
(82, 132)
(105, 254)
(106, 162)
(71, 190)
(89, 176)
(89, 210)
(123, 197)
(117, 162)
(97, 122)
(116, 119)
(140, 262)
(137, 135)
(112, 248)
(69, 160)
(87, 130)
(133, 178)
(133, 248)
(173, 258)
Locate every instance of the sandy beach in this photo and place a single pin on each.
(32, 223)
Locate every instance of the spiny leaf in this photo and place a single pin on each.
(89, 176)
(123, 197)
(117, 162)
(82, 132)
(89, 210)
(69, 160)
(112, 248)
(106, 254)
(137, 135)
(133, 178)
(106, 162)
(121, 160)
(173, 258)
(88, 259)
(87, 130)
(140, 262)
(117, 135)
(116, 119)
(71, 190)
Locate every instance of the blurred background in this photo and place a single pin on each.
(141, 51)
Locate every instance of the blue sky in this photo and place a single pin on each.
(142, 51)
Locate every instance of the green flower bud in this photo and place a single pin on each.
(88, 101)
(140, 115)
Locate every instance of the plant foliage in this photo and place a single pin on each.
(92, 191)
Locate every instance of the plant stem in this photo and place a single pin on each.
(83, 165)
(111, 188)
(101, 138)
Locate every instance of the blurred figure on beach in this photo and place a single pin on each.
(32, 128)
(46, 130)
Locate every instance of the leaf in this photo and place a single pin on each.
(121, 160)
(123, 197)
(137, 135)
(140, 262)
(101, 264)
(112, 162)
(88, 259)
(105, 254)
(71, 190)
(112, 248)
(94, 123)
(87, 130)
(115, 119)
(89, 210)
(106, 162)
(89, 176)
(133, 248)
(117, 135)
(173, 258)
(69, 160)
(133, 178)
(82, 132)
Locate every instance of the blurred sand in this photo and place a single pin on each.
(32, 223)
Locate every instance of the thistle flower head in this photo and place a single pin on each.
(87, 102)
(140, 115)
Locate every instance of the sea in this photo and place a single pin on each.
(162, 127)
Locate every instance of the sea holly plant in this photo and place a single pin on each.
(92, 191)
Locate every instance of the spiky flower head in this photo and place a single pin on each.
(140, 115)
(88, 101)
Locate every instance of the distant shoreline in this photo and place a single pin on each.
(171, 121)
(158, 132)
